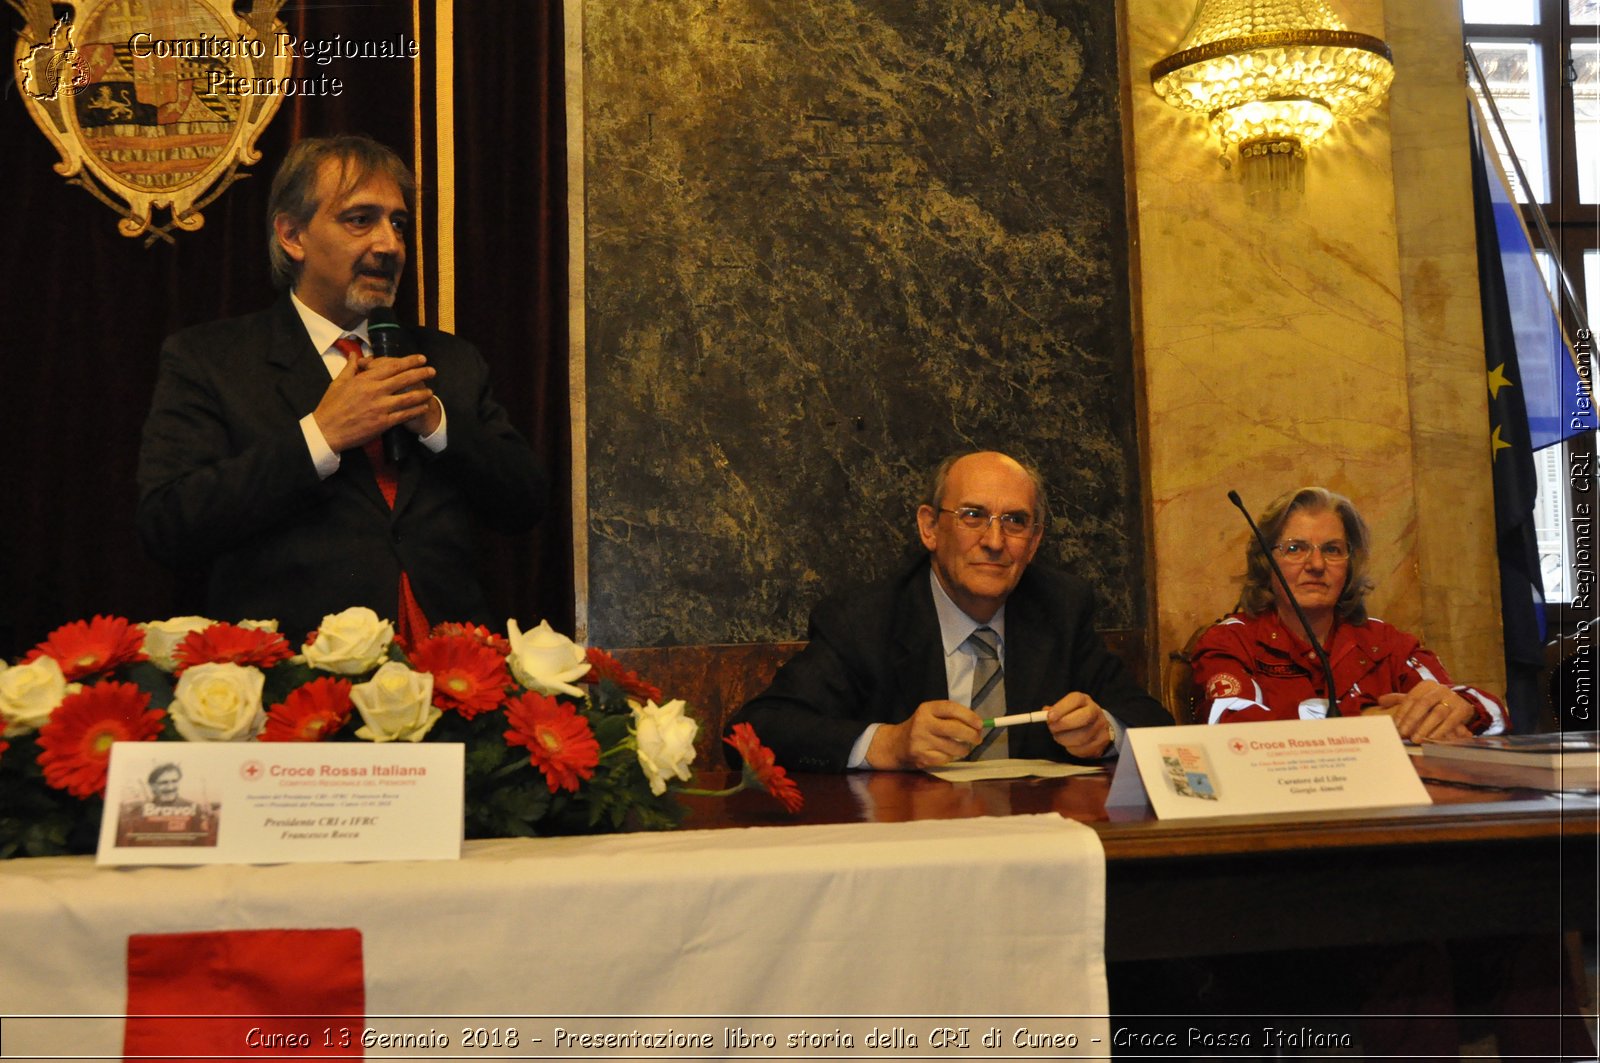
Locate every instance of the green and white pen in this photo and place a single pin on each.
(1021, 717)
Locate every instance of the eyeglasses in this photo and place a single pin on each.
(974, 518)
(1334, 551)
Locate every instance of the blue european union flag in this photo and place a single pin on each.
(1510, 439)
(1558, 400)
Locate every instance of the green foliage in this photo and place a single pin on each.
(152, 680)
(35, 818)
(284, 678)
(607, 699)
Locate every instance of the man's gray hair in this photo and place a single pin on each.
(294, 187)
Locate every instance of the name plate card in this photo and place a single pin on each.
(1239, 769)
(282, 802)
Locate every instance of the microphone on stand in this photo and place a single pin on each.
(389, 340)
(1311, 636)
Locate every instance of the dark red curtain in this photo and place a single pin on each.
(511, 264)
(86, 308)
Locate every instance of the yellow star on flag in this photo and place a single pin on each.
(1497, 380)
(1496, 444)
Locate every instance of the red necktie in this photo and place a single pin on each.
(413, 625)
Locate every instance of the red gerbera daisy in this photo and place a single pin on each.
(761, 767)
(85, 647)
(310, 713)
(75, 745)
(559, 741)
(476, 632)
(604, 666)
(229, 643)
(468, 676)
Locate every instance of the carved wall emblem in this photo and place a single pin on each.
(152, 104)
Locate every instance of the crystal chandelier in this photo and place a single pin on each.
(1272, 75)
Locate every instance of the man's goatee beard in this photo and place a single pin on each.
(360, 301)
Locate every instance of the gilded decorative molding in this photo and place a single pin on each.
(156, 107)
(1312, 38)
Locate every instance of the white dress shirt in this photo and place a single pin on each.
(960, 660)
(960, 663)
(324, 334)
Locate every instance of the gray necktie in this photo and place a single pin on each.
(988, 692)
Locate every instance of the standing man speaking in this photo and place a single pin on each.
(263, 455)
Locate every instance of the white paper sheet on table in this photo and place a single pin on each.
(1010, 768)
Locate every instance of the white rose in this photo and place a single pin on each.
(161, 638)
(396, 704)
(545, 660)
(665, 734)
(29, 693)
(259, 625)
(218, 702)
(351, 642)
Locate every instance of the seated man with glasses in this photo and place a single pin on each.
(1257, 664)
(902, 674)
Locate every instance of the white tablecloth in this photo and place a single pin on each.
(982, 917)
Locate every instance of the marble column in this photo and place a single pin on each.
(1326, 337)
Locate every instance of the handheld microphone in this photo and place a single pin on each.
(1311, 636)
(389, 340)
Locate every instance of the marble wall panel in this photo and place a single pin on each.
(1456, 557)
(1274, 339)
(825, 244)
(1326, 337)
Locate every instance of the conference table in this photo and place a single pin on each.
(1484, 859)
(865, 904)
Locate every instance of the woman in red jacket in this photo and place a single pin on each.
(1258, 665)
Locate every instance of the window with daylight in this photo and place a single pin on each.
(1541, 60)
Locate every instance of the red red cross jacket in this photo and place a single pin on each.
(1253, 668)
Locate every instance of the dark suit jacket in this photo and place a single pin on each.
(226, 481)
(876, 654)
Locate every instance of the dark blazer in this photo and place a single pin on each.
(226, 481)
(875, 655)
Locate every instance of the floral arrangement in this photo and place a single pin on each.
(559, 739)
